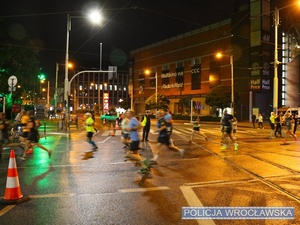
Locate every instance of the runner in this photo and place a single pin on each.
(89, 126)
(272, 125)
(169, 122)
(227, 120)
(288, 127)
(260, 122)
(125, 137)
(163, 138)
(196, 128)
(133, 152)
(234, 127)
(33, 135)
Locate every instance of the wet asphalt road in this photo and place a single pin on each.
(77, 186)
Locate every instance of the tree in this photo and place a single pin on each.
(220, 97)
(184, 101)
(162, 102)
(18, 58)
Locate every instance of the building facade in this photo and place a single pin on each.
(186, 66)
(89, 90)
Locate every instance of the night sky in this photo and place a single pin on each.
(127, 25)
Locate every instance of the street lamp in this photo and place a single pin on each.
(70, 65)
(276, 62)
(219, 55)
(147, 72)
(93, 17)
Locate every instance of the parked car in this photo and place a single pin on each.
(109, 117)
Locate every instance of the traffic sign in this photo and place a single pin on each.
(12, 81)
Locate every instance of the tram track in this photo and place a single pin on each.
(264, 180)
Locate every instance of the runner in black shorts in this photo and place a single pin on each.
(163, 137)
(227, 126)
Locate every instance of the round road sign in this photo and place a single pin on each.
(12, 81)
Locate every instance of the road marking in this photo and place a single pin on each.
(104, 140)
(131, 190)
(57, 195)
(6, 209)
(193, 201)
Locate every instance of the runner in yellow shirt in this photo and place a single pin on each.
(89, 126)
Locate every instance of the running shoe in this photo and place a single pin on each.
(152, 162)
(181, 152)
(22, 158)
(143, 171)
(236, 146)
(224, 147)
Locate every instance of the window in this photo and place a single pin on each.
(179, 64)
(152, 78)
(196, 61)
(164, 77)
(180, 73)
(142, 80)
(196, 77)
(165, 67)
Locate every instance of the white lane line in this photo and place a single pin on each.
(193, 201)
(132, 190)
(6, 209)
(104, 140)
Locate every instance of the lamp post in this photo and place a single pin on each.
(70, 65)
(94, 17)
(219, 55)
(275, 81)
(276, 62)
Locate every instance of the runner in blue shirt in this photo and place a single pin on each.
(133, 152)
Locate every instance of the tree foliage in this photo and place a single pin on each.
(18, 58)
(184, 101)
(220, 96)
(162, 102)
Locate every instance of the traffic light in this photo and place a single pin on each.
(42, 76)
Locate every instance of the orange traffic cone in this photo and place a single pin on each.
(111, 131)
(13, 193)
(117, 125)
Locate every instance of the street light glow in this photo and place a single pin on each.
(220, 55)
(95, 17)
